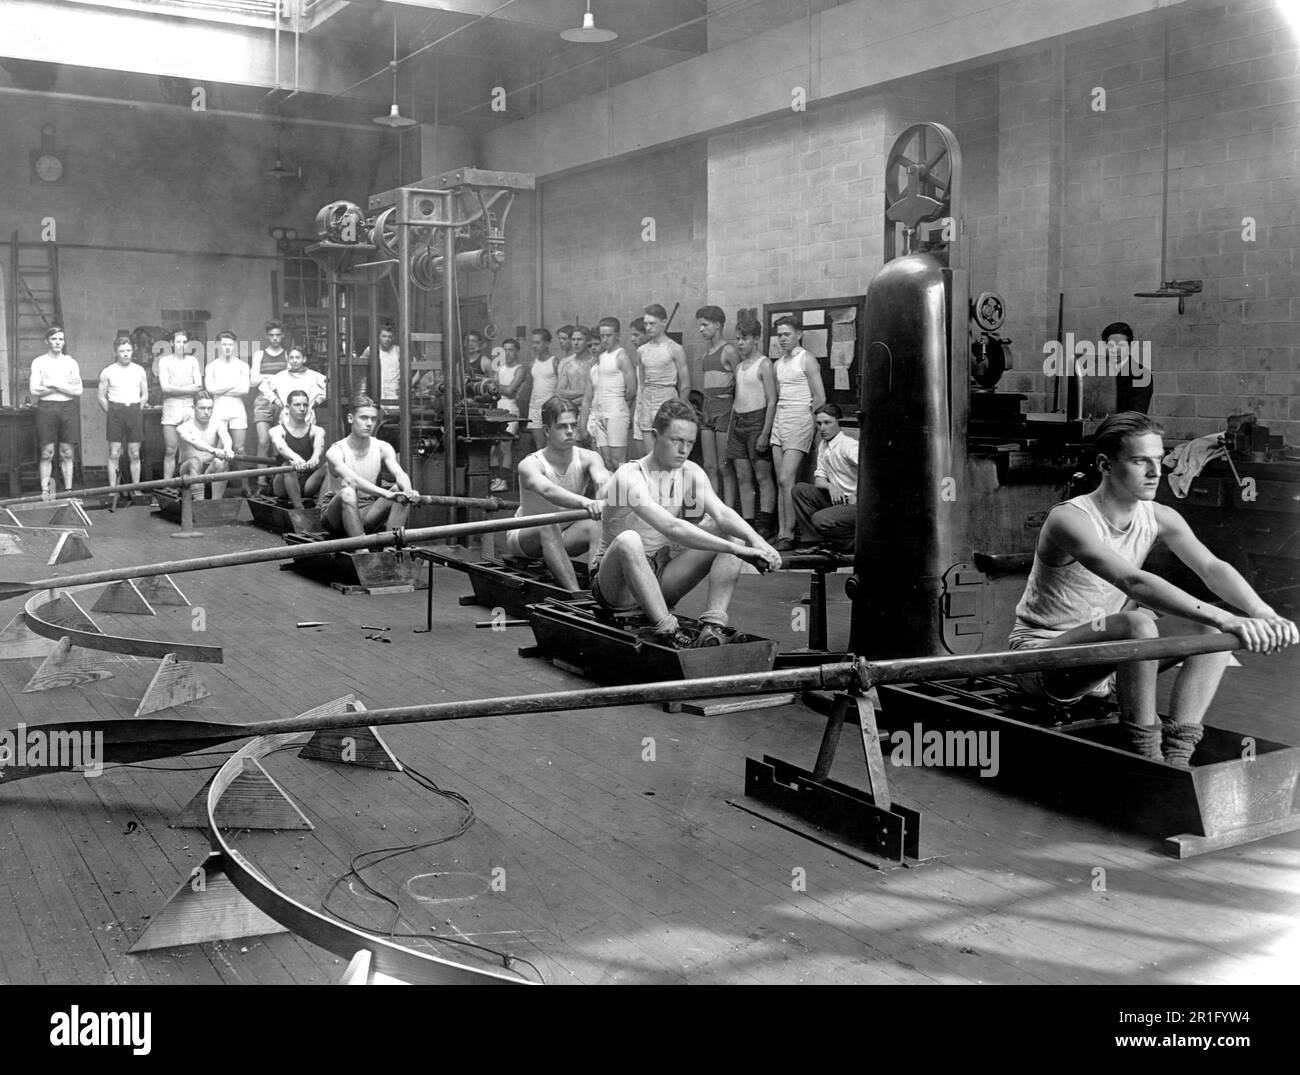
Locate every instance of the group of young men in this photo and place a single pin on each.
(204, 412)
(1087, 582)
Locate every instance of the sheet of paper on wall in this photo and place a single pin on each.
(844, 313)
(841, 379)
(812, 318)
(814, 342)
(844, 330)
(841, 354)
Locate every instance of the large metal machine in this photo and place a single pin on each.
(950, 466)
(418, 240)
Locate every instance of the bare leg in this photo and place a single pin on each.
(66, 459)
(786, 463)
(709, 449)
(46, 467)
(727, 470)
(766, 485)
(133, 461)
(238, 437)
(171, 442)
(218, 489)
(1198, 678)
(114, 462)
(686, 572)
(745, 487)
(626, 577)
(263, 439)
(383, 511)
(311, 487)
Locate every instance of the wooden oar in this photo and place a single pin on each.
(138, 740)
(487, 503)
(149, 486)
(381, 540)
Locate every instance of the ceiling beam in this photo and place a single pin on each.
(118, 39)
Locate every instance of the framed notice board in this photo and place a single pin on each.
(833, 332)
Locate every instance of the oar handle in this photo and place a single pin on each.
(1044, 659)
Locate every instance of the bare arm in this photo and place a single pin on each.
(629, 376)
(400, 477)
(814, 374)
(596, 472)
(730, 523)
(532, 479)
(103, 390)
(1068, 531)
(317, 447)
(683, 373)
(281, 446)
(768, 376)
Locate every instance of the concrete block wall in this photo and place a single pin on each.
(1234, 157)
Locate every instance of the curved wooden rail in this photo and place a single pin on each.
(97, 640)
(387, 957)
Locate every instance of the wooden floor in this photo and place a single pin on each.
(613, 868)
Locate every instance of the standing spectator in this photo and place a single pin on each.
(662, 374)
(543, 374)
(719, 363)
(180, 379)
(510, 378)
(227, 379)
(123, 391)
(267, 362)
(55, 384)
(749, 440)
(799, 392)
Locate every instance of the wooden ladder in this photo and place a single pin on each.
(34, 305)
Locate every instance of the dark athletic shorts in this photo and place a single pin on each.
(58, 422)
(658, 562)
(742, 439)
(125, 423)
(717, 413)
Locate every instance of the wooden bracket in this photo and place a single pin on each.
(358, 972)
(161, 590)
(351, 746)
(18, 641)
(124, 597)
(66, 611)
(66, 666)
(254, 800)
(838, 816)
(205, 907)
(70, 546)
(174, 683)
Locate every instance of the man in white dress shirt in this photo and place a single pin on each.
(826, 508)
(55, 384)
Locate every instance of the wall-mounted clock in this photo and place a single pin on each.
(48, 165)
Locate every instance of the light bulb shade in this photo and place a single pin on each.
(588, 33)
(394, 118)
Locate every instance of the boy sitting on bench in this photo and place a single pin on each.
(552, 479)
(1087, 583)
(635, 565)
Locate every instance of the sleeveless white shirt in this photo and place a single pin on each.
(1057, 599)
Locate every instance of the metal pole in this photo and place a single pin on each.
(292, 552)
(404, 357)
(453, 378)
(333, 376)
(149, 486)
(1047, 658)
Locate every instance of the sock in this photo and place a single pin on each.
(1179, 742)
(667, 626)
(716, 616)
(1143, 739)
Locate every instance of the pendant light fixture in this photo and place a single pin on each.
(394, 119)
(588, 33)
(1168, 289)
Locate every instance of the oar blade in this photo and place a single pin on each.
(78, 746)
